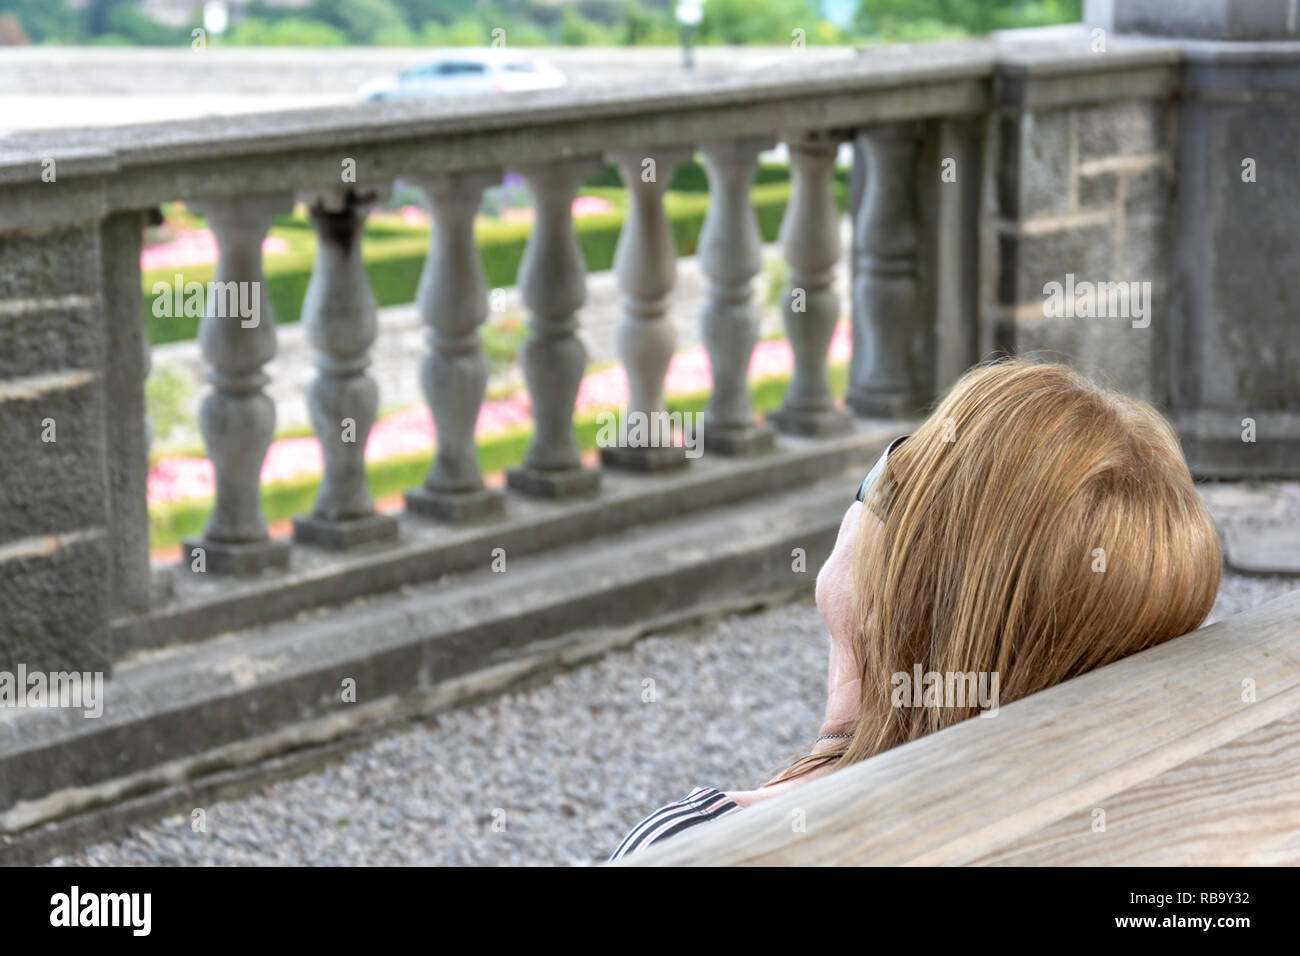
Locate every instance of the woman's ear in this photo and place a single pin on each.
(839, 581)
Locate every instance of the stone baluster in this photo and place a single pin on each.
(810, 308)
(730, 254)
(553, 285)
(237, 418)
(646, 264)
(453, 304)
(884, 274)
(339, 316)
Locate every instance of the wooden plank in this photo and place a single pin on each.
(1237, 804)
(989, 785)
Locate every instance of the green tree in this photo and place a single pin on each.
(46, 21)
(889, 17)
(420, 12)
(467, 31)
(640, 26)
(577, 30)
(747, 21)
(289, 31)
(126, 21)
(394, 36)
(359, 20)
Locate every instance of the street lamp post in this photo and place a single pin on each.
(689, 15)
(216, 17)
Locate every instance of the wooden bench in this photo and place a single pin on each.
(1166, 744)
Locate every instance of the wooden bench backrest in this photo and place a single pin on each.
(1186, 768)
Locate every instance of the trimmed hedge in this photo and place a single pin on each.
(395, 257)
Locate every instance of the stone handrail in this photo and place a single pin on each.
(1184, 754)
(144, 165)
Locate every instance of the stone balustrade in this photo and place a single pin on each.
(926, 255)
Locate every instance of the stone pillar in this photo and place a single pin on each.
(646, 264)
(553, 285)
(55, 541)
(453, 304)
(237, 418)
(338, 313)
(121, 236)
(884, 274)
(810, 309)
(730, 254)
(1228, 340)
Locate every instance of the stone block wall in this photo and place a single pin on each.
(1084, 192)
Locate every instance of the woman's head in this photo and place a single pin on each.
(1035, 527)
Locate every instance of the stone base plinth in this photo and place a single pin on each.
(566, 483)
(239, 559)
(644, 458)
(456, 507)
(869, 404)
(341, 535)
(749, 440)
(813, 424)
(1254, 549)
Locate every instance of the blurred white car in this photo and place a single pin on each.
(466, 72)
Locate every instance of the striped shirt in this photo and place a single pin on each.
(701, 805)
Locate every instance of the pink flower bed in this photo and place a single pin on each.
(582, 206)
(414, 216)
(411, 431)
(196, 248)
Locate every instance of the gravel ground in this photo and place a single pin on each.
(1241, 592)
(553, 772)
(568, 764)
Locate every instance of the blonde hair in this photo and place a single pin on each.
(1037, 526)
